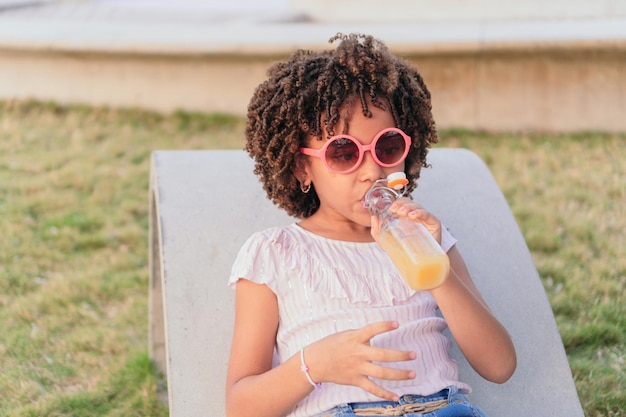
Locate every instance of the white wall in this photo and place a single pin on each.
(450, 10)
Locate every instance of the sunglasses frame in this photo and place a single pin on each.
(321, 153)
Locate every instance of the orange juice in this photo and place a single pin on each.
(416, 254)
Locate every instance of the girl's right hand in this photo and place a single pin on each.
(347, 358)
(405, 207)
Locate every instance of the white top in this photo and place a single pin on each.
(325, 286)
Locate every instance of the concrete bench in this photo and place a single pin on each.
(204, 204)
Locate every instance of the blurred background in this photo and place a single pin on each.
(497, 65)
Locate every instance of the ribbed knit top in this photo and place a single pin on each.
(325, 286)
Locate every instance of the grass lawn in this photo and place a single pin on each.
(73, 252)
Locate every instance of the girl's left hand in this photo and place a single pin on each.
(405, 207)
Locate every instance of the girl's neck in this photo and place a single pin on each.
(346, 231)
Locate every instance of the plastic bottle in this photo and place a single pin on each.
(414, 251)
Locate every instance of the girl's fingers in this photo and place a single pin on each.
(375, 228)
(415, 212)
(381, 372)
(350, 359)
(378, 391)
(405, 207)
(374, 329)
(390, 355)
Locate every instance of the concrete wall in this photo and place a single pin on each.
(552, 89)
(495, 65)
(455, 10)
(152, 81)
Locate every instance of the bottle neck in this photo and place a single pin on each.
(379, 198)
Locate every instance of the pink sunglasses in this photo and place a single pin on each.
(343, 154)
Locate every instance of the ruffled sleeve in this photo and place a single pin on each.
(256, 261)
(290, 259)
(447, 240)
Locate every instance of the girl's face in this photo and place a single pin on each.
(341, 214)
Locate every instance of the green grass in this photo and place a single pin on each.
(568, 194)
(73, 251)
(73, 254)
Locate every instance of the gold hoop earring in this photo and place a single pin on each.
(305, 188)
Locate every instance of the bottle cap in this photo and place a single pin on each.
(397, 180)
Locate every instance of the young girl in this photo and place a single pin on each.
(324, 324)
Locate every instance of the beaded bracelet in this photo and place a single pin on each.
(305, 369)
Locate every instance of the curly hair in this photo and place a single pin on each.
(302, 98)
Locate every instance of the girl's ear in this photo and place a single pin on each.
(301, 170)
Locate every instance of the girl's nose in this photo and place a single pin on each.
(369, 169)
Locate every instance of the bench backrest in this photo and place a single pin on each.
(204, 204)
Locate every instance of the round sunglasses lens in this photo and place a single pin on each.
(390, 148)
(342, 154)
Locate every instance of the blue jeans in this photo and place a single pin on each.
(458, 406)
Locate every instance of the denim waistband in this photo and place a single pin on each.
(408, 404)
